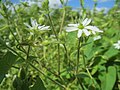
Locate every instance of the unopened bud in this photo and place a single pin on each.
(41, 20)
(46, 42)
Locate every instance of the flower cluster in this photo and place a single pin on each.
(83, 27)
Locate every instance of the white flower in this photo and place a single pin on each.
(35, 25)
(7, 75)
(97, 38)
(7, 43)
(83, 28)
(117, 45)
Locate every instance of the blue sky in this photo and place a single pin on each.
(88, 3)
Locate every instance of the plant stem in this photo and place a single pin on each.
(63, 18)
(67, 57)
(59, 59)
(51, 23)
(84, 60)
(82, 4)
(15, 52)
(90, 76)
(78, 55)
(80, 82)
(57, 45)
(27, 58)
(13, 34)
(49, 70)
(47, 76)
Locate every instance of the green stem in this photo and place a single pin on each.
(82, 4)
(17, 31)
(94, 8)
(67, 56)
(47, 76)
(49, 70)
(44, 51)
(59, 59)
(90, 76)
(13, 34)
(35, 67)
(15, 52)
(84, 63)
(80, 83)
(52, 25)
(28, 51)
(63, 18)
(78, 56)
(57, 45)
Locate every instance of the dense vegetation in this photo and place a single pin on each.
(38, 53)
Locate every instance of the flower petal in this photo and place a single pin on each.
(26, 24)
(118, 41)
(70, 29)
(93, 28)
(87, 33)
(86, 22)
(97, 38)
(73, 25)
(79, 33)
(45, 28)
(116, 45)
(39, 27)
(94, 32)
(34, 23)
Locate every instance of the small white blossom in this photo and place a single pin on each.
(7, 43)
(15, 33)
(83, 27)
(7, 75)
(97, 38)
(117, 45)
(35, 25)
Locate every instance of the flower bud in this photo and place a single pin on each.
(41, 19)
(45, 42)
(62, 35)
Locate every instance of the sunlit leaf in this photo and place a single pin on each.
(108, 79)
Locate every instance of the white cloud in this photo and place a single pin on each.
(104, 0)
(103, 8)
(54, 3)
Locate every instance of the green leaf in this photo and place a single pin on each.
(71, 38)
(94, 70)
(6, 63)
(39, 85)
(111, 52)
(82, 75)
(110, 78)
(88, 51)
(2, 42)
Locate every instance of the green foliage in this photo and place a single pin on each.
(6, 63)
(108, 78)
(38, 84)
(53, 59)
